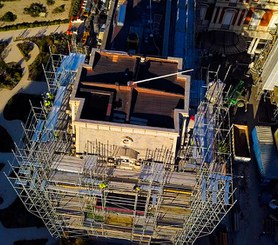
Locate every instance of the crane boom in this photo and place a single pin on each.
(154, 78)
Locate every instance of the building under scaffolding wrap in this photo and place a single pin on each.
(97, 187)
(209, 150)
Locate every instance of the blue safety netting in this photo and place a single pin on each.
(204, 138)
(44, 130)
(71, 62)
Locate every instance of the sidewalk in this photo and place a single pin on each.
(33, 32)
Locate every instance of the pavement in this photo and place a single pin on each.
(33, 32)
(14, 128)
(251, 214)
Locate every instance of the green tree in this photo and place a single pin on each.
(9, 17)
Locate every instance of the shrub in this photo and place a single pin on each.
(35, 9)
(25, 25)
(9, 17)
(59, 9)
(10, 74)
(25, 48)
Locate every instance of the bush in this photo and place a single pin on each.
(25, 25)
(9, 17)
(35, 9)
(25, 48)
(10, 74)
(59, 9)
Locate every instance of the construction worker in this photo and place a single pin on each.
(136, 188)
(49, 96)
(103, 185)
(47, 103)
(56, 134)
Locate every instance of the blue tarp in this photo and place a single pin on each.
(204, 138)
(71, 62)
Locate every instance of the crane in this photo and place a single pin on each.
(133, 83)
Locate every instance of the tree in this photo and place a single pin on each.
(9, 17)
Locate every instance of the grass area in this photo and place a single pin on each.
(17, 216)
(31, 242)
(6, 141)
(25, 48)
(18, 107)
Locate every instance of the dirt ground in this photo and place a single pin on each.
(17, 7)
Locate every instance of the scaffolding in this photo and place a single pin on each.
(97, 193)
(209, 151)
(100, 193)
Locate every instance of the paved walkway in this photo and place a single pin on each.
(33, 32)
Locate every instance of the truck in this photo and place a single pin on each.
(121, 15)
(241, 143)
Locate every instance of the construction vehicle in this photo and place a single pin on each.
(237, 96)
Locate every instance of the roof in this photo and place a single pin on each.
(104, 85)
(265, 152)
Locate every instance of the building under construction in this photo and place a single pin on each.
(116, 156)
